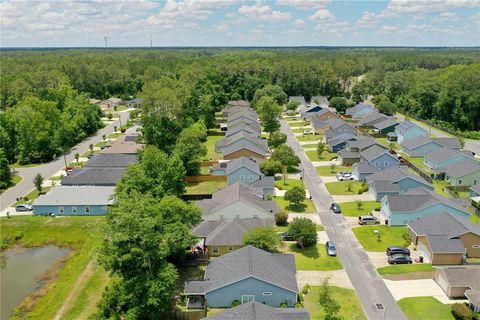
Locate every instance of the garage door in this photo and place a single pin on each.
(427, 256)
(442, 282)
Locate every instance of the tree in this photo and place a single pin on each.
(270, 167)
(321, 147)
(384, 105)
(276, 139)
(281, 218)
(339, 103)
(190, 149)
(77, 156)
(37, 182)
(264, 238)
(286, 156)
(295, 196)
(160, 131)
(274, 91)
(268, 111)
(5, 173)
(329, 304)
(292, 105)
(303, 229)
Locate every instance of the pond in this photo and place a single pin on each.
(20, 270)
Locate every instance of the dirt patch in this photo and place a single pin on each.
(410, 276)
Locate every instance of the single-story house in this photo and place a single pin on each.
(401, 209)
(235, 105)
(125, 144)
(323, 114)
(378, 157)
(321, 100)
(226, 235)
(74, 201)
(308, 111)
(445, 238)
(347, 157)
(111, 160)
(362, 170)
(386, 126)
(110, 103)
(299, 99)
(420, 146)
(248, 129)
(238, 138)
(93, 176)
(339, 141)
(369, 119)
(360, 109)
(459, 282)
(439, 159)
(394, 180)
(407, 130)
(247, 274)
(258, 311)
(134, 103)
(241, 122)
(244, 149)
(363, 143)
(247, 114)
(463, 173)
(238, 201)
(339, 126)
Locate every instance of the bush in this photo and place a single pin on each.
(303, 229)
(283, 305)
(295, 196)
(298, 305)
(306, 288)
(281, 218)
(236, 303)
(300, 297)
(363, 188)
(460, 311)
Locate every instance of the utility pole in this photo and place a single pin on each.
(151, 46)
(105, 38)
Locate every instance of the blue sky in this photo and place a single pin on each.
(240, 23)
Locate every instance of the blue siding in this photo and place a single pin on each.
(68, 210)
(223, 297)
(339, 147)
(402, 218)
(423, 150)
(409, 184)
(220, 172)
(411, 133)
(384, 161)
(249, 176)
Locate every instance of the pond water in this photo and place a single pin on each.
(20, 269)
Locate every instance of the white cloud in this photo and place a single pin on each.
(222, 27)
(388, 29)
(368, 19)
(300, 23)
(322, 15)
(262, 12)
(304, 4)
(400, 7)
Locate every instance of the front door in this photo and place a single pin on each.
(247, 298)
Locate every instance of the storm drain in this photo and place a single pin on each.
(379, 306)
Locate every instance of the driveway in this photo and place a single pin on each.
(418, 288)
(337, 278)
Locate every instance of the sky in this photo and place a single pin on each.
(131, 23)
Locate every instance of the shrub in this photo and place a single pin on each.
(295, 196)
(306, 288)
(283, 305)
(300, 297)
(236, 303)
(363, 188)
(460, 311)
(298, 305)
(303, 229)
(281, 218)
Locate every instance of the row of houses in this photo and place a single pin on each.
(113, 102)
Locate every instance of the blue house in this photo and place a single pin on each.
(338, 142)
(420, 146)
(378, 157)
(399, 210)
(440, 159)
(359, 110)
(245, 275)
(74, 201)
(407, 130)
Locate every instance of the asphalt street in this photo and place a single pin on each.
(48, 169)
(376, 299)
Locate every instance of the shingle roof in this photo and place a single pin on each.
(405, 126)
(373, 153)
(442, 244)
(240, 135)
(416, 143)
(240, 103)
(444, 224)
(247, 128)
(475, 188)
(443, 154)
(473, 296)
(462, 168)
(452, 143)
(244, 145)
(236, 164)
(346, 154)
(461, 276)
(315, 114)
(364, 142)
(276, 269)
(359, 107)
(417, 199)
(265, 182)
(363, 167)
(242, 116)
(259, 311)
(384, 186)
(94, 176)
(372, 118)
(124, 144)
(228, 232)
(341, 138)
(389, 122)
(76, 195)
(111, 160)
(395, 174)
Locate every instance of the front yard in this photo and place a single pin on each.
(347, 298)
(309, 137)
(351, 209)
(326, 171)
(298, 124)
(289, 184)
(425, 308)
(389, 236)
(32, 196)
(405, 268)
(205, 187)
(313, 258)
(343, 187)
(306, 207)
(326, 155)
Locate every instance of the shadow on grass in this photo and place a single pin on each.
(301, 207)
(309, 252)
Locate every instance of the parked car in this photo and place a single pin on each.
(307, 132)
(397, 250)
(341, 173)
(364, 220)
(23, 207)
(330, 247)
(286, 237)
(345, 177)
(336, 208)
(399, 259)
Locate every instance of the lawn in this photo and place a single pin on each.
(406, 268)
(33, 195)
(347, 298)
(326, 156)
(438, 186)
(341, 187)
(389, 236)
(298, 130)
(289, 184)
(313, 145)
(425, 308)
(474, 218)
(299, 124)
(351, 209)
(418, 162)
(115, 135)
(306, 207)
(210, 144)
(326, 171)
(28, 165)
(285, 228)
(313, 258)
(82, 234)
(205, 187)
(309, 137)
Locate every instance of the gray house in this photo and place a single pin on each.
(111, 160)
(363, 143)
(386, 126)
(259, 311)
(372, 118)
(253, 131)
(407, 130)
(362, 170)
(379, 158)
(247, 274)
(459, 282)
(93, 176)
(420, 146)
(347, 157)
(241, 136)
(360, 109)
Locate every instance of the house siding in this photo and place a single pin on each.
(244, 153)
(413, 132)
(348, 161)
(221, 250)
(338, 147)
(445, 163)
(388, 129)
(384, 161)
(422, 150)
(241, 209)
(469, 240)
(223, 297)
(95, 210)
(467, 180)
(325, 116)
(248, 175)
(408, 184)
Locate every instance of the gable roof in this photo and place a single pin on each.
(463, 276)
(462, 168)
(373, 117)
(242, 115)
(241, 135)
(244, 145)
(265, 182)
(258, 311)
(395, 174)
(76, 195)
(364, 142)
(124, 144)
(247, 128)
(475, 188)
(111, 160)
(241, 122)
(389, 122)
(413, 144)
(94, 176)
(317, 113)
(443, 154)
(374, 152)
(452, 143)
(340, 138)
(443, 224)
(238, 163)
(347, 154)
(384, 186)
(405, 126)
(418, 199)
(358, 108)
(363, 167)
(239, 103)
(273, 268)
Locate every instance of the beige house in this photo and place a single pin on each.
(461, 282)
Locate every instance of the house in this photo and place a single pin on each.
(244, 149)
(242, 115)
(111, 160)
(243, 121)
(226, 235)
(363, 143)
(241, 136)
(394, 180)
(299, 99)
(459, 282)
(235, 105)
(110, 103)
(362, 169)
(238, 201)
(439, 159)
(258, 311)
(347, 157)
(247, 274)
(74, 201)
(463, 173)
(406, 130)
(359, 110)
(323, 114)
(386, 126)
(372, 118)
(134, 103)
(125, 144)
(420, 146)
(445, 238)
(401, 209)
(93, 176)
(378, 157)
(321, 100)
(338, 142)
(308, 111)
(339, 126)
(248, 129)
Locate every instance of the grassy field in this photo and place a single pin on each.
(210, 144)
(313, 258)
(306, 207)
(406, 268)
(298, 130)
(350, 305)
(425, 308)
(351, 209)
(82, 234)
(389, 236)
(32, 196)
(309, 137)
(289, 184)
(326, 156)
(205, 187)
(341, 187)
(418, 162)
(327, 171)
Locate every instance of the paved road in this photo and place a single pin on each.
(46, 170)
(369, 287)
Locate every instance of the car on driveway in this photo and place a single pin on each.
(399, 259)
(286, 237)
(335, 208)
(330, 247)
(307, 132)
(23, 207)
(345, 177)
(364, 220)
(397, 250)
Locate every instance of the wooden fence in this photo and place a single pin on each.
(196, 197)
(208, 163)
(417, 170)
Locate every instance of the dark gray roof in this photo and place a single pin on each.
(462, 168)
(125, 144)
(227, 232)
(341, 138)
(265, 182)
(374, 152)
(363, 167)
(358, 107)
(247, 128)
(259, 311)
(373, 117)
(315, 114)
(442, 244)
(416, 143)
(384, 186)
(238, 163)
(363, 143)
(111, 160)
(443, 154)
(94, 176)
(463, 276)
(395, 174)
(260, 150)
(240, 135)
(417, 199)
(276, 269)
(346, 154)
(444, 224)
(452, 143)
(76, 195)
(389, 122)
(473, 296)
(405, 126)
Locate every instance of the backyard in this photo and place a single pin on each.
(205, 187)
(343, 187)
(313, 258)
(210, 144)
(389, 236)
(306, 207)
(309, 137)
(352, 209)
(289, 184)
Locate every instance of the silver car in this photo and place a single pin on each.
(23, 207)
(330, 247)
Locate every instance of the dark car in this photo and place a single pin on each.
(330, 247)
(335, 208)
(286, 237)
(397, 249)
(399, 259)
(23, 207)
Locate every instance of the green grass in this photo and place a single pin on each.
(309, 137)
(341, 187)
(306, 207)
(474, 218)
(299, 124)
(28, 165)
(205, 171)
(100, 144)
(350, 209)
(326, 156)
(205, 187)
(406, 268)
(210, 144)
(350, 305)
(285, 228)
(438, 186)
(313, 258)
(299, 130)
(326, 171)
(389, 236)
(418, 162)
(33, 195)
(114, 135)
(289, 184)
(313, 145)
(425, 308)
(82, 234)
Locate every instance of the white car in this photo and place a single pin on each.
(345, 177)
(307, 132)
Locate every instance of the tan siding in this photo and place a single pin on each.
(468, 240)
(446, 259)
(243, 153)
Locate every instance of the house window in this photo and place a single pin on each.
(267, 293)
(61, 210)
(242, 177)
(74, 210)
(476, 246)
(214, 250)
(247, 298)
(230, 249)
(251, 177)
(459, 181)
(385, 163)
(377, 163)
(87, 209)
